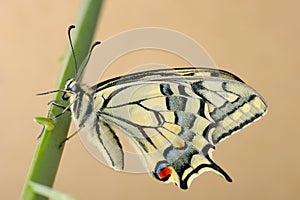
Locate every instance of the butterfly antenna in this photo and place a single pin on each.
(87, 59)
(71, 44)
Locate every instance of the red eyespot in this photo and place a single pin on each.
(165, 172)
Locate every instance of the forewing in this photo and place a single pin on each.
(231, 104)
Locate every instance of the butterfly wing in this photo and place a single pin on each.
(175, 117)
(104, 138)
(231, 104)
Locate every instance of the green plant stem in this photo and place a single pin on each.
(48, 154)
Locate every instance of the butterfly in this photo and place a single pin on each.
(173, 117)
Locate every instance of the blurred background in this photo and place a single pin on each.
(256, 40)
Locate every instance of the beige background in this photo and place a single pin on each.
(257, 40)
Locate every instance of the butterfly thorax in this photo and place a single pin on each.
(81, 101)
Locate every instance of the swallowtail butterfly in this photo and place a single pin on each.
(174, 117)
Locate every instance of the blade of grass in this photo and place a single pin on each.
(49, 192)
(48, 154)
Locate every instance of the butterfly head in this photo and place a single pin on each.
(71, 87)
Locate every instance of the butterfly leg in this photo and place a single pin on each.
(51, 103)
(69, 137)
(65, 109)
(54, 103)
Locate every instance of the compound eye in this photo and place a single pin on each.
(74, 88)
